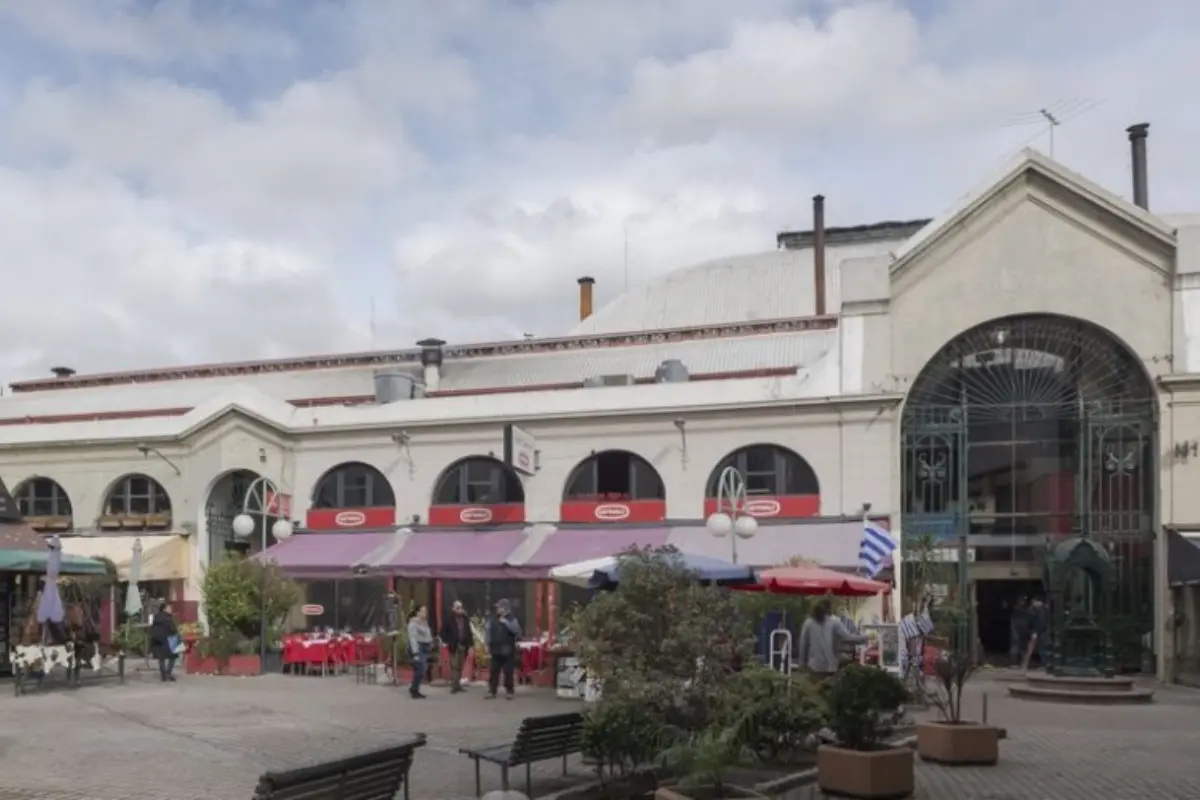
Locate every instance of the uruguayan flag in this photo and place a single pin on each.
(876, 546)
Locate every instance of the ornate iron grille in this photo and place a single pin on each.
(1028, 429)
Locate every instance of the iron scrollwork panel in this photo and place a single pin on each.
(1117, 511)
(934, 474)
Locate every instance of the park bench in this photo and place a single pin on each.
(368, 776)
(538, 739)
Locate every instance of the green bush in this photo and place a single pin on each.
(237, 592)
(773, 716)
(623, 733)
(862, 701)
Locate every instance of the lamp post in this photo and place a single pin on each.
(730, 519)
(243, 527)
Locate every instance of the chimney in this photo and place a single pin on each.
(431, 360)
(818, 225)
(1137, 145)
(585, 297)
(62, 373)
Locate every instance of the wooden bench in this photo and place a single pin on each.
(369, 776)
(538, 739)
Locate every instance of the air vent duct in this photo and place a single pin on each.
(608, 380)
(392, 385)
(671, 371)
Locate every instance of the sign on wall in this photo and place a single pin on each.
(348, 519)
(457, 516)
(780, 507)
(520, 450)
(590, 511)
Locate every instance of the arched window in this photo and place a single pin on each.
(770, 470)
(354, 485)
(479, 480)
(137, 495)
(42, 497)
(614, 476)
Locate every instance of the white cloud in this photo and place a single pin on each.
(201, 181)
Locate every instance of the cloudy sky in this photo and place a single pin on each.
(229, 179)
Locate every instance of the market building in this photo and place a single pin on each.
(1021, 368)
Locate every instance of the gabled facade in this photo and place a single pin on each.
(1040, 312)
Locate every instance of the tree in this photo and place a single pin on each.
(234, 591)
(663, 638)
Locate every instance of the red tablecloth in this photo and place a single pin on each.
(340, 651)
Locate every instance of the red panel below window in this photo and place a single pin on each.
(613, 511)
(349, 519)
(781, 507)
(456, 516)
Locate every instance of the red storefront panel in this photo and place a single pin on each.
(617, 511)
(349, 519)
(456, 516)
(781, 507)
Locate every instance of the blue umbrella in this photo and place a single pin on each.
(707, 570)
(50, 607)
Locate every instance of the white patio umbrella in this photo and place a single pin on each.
(133, 595)
(580, 573)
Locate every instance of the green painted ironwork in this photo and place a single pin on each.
(1027, 431)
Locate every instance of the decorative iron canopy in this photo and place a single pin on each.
(1058, 365)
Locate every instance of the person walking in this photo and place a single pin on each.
(822, 639)
(503, 633)
(164, 638)
(420, 640)
(1039, 631)
(458, 638)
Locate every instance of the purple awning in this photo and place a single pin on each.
(462, 554)
(569, 545)
(832, 544)
(325, 555)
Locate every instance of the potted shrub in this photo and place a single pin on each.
(950, 740)
(861, 703)
(237, 592)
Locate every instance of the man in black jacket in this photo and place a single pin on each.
(458, 638)
(503, 633)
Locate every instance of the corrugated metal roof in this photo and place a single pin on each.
(777, 284)
(733, 354)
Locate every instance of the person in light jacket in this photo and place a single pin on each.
(503, 633)
(420, 640)
(822, 638)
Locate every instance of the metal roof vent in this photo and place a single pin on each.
(671, 371)
(393, 384)
(609, 380)
(62, 372)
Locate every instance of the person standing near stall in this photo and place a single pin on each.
(420, 639)
(823, 638)
(458, 638)
(503, 633)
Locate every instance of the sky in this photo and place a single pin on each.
(185, 182)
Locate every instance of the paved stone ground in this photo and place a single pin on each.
(209, 738)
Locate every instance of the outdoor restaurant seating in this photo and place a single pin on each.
(328, 654)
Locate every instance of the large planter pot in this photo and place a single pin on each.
(871, 775)
(961, 743)
(237, 666)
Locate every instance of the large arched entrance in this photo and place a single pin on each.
(1021, 432)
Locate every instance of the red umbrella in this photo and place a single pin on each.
(813, 581)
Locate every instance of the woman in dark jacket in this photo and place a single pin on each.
(163, 636)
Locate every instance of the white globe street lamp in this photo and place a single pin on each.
(265, 493)
(243, 526)
(282, 529)
(730, 519)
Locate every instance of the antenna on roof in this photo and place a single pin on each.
(372, 325)
(626, 230)
(1050, 117)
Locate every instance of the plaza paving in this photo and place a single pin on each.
(210, 738)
